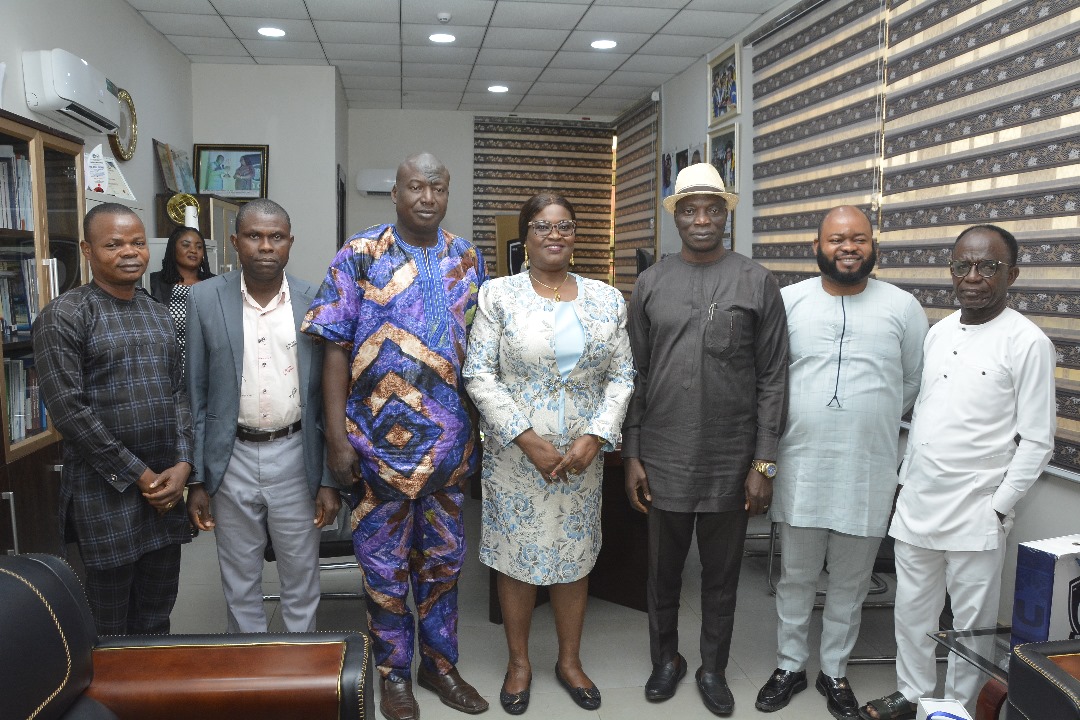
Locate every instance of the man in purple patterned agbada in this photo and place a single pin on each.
(395, 310)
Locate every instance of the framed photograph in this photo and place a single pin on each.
(682, 159)
(723, 149)
(165, 164)
(238, 171)
(182, 166)
(723, 86)
(222, 226)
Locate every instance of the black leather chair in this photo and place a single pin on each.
(1043, 681)
(53, 664)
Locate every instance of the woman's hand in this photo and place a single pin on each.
(542, 454)
(580, 455)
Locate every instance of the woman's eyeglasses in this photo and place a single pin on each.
(542, 228)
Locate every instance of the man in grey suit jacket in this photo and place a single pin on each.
(255, 386)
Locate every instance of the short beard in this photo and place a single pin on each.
(834, 273)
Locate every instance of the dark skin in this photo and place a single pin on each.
(118, 254)
(700, 220)
(190, 251)
(847, 239)
(262, 243)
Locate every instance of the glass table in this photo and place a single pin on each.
(987, 649)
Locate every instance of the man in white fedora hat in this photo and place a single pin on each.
(709, 336)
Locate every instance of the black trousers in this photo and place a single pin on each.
(135, 599)
(720, 537)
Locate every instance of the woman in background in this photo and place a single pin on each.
(185, 263)
(550, 369)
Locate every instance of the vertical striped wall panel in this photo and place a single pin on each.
(817, 89)
(515, 158)
(636, 189)
(982, 125)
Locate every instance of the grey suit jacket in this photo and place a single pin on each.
(215, 361)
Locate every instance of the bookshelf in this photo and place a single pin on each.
(41, 209)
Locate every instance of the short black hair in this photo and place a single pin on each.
(108, 208)
(828, 212)
(1008, 237)
(534, 205)
(264, 206)
(170, 274)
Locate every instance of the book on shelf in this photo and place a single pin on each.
(16, 201)
(25, 411)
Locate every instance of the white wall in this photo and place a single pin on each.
(381, 139)
(115, 39)
(293, 109)
(684, 109)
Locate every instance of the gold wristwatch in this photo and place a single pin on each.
(765, 467)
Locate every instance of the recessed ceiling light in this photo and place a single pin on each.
(271, 32)
(441, 38)
(498, 88)
(603, 44)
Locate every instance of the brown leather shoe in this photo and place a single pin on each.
(396, 700)
(452, 690)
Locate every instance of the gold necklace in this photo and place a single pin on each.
(552, 289)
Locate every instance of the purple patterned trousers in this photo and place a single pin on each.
(420, 541)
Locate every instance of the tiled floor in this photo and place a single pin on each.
(615, 644)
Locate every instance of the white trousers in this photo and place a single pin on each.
(973, 581)
(265, 489)
(803, 554)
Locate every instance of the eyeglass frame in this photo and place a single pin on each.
(572, 231)
(978, 265)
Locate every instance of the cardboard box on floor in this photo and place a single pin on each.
(934, 709)
(1046, 603)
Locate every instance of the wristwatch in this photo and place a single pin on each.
(766, 468)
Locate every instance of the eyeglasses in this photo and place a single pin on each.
(986, 268)
(542, 228)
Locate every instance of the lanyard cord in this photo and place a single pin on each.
(839, 357)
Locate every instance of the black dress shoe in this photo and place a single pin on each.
(514, 703)
(777, 692)
(665, 678)
(715, 692)
(839, 698)
(586, 698)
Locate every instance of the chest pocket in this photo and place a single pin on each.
(723, 332)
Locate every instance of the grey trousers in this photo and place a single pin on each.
(265, 489)
(804, 552)
(720, 538)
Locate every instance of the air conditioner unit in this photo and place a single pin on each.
(375, 182)
(69, 90)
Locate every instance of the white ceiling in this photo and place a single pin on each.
(539, 50)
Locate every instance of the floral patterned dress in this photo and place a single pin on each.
(533, 530)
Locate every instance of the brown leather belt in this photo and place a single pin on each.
(266, 435)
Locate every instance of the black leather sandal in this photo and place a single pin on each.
(892, 707)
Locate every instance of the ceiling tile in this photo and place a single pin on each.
(342, 53)
(357, 32)
(293, 9)
(624, 19)
(681, 45)
(595, 60)
(547, 104)
(413, 104)
(290, 61)
(524, 38)
(580, 76)
(601, 106)
(206, 46)
(502, 100)
(553, 2)
(371, 82)
(718, 24)
(377, 11)
(174, 6)
(675, 4)
(480, 85)
(277, 48)
(381, 69)
(462, 12)
(374, 95)
(222, 59)
(535, 15)
(295, 30)
(412, 34)
(525, 58)
(436, 71)
(641, 79)
(503, 72)
(446, 96)
(657, 64)
(185, 24)
(438, 85)
(549, 89)
(581, 40)
(438, 54)
(622, 92)
(757, 7)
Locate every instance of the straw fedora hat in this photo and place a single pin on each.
(699, 179)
